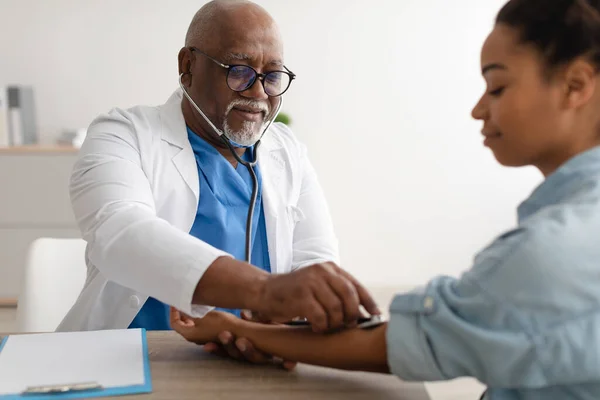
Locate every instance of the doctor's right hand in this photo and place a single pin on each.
(326, 295)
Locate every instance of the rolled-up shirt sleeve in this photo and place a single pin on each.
(429, 339)
(497, 322)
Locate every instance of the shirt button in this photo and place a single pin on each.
(134, 301)
(428, 303)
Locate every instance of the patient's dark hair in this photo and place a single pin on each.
(562, 30)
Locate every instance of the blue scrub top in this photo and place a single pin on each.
(225, 194)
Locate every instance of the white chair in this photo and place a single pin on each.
(55, 273)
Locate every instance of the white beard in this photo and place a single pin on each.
(250, 132)
(247, 136)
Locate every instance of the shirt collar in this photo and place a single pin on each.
(562, 182)
(201, 146)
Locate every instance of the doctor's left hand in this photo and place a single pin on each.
(213, 331)
(242, 349)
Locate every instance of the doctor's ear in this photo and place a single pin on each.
(187, 78)
(185, 61)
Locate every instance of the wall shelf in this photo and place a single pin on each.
(33, 149)
(8, 302)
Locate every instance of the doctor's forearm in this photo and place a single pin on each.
(230, 283)
(354, 349)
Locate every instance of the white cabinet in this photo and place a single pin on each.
(34, 202)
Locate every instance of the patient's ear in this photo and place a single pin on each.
(580, 79)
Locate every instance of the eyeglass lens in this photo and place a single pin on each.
(241, 77)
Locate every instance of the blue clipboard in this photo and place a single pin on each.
(146, 387)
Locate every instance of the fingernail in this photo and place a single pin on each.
(209, 348)
(241, 346)
(289, 365)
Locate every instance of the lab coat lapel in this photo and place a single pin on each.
(174, 132)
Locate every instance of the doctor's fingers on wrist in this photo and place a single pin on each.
(228, 342)
(364, 296)
(332, 304)
(216, 349)
(316, 315)
(250, 353)
(327, 280)
(348, 298)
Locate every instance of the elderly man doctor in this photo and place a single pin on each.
(161, 199)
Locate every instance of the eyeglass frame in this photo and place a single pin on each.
(258, 76)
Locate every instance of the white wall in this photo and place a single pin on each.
(383, 100)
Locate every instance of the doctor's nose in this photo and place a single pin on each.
(256, 91)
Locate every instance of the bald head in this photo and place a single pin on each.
(219, 19)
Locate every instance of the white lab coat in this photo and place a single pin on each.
(135, 190)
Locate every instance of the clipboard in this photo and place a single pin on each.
(74, 365)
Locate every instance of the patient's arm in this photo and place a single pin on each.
(352, 349)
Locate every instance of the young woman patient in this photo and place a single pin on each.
(525, 319)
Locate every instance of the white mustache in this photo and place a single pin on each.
(248, 103)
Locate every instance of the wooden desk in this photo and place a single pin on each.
(182, 370)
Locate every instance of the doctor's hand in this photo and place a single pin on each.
(242, 349)
(214, 332)
(326, 295)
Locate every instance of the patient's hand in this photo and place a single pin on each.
(201, 330)
(214, 331)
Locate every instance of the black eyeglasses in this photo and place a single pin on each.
(241, 77)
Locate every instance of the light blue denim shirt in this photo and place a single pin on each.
(524, 320)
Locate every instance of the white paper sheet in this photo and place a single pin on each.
(113, 358)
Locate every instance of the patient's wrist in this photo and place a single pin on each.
(240, 327)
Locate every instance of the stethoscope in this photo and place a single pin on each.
(248, 164)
